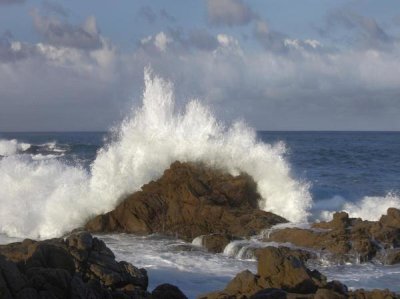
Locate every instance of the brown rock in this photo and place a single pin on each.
(374, 294)
(340, 221)
(281, 269)
(190, 200)
(245, 283)
(347, 238)
(391, 219)
(282, 274)
(215, 243)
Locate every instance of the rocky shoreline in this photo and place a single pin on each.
(194, 202)
(282, 274)
(344, 238)
(82, 266)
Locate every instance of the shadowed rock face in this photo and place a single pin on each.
(187, 201)
(345, 236)
(79, 267)
(283, 274)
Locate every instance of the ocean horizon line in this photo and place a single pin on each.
(258, 131)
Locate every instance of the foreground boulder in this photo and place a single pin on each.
(190, 200)
(79, 267)
(346, 238)
(282, 274)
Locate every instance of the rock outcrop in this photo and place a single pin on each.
(190, 200)
(346, 238)
(283, 274)
(78, 267)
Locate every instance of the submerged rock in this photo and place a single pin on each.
(190, 200)
(283, 274)
(80, 266)
(346, 238)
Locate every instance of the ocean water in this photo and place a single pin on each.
(51, 183)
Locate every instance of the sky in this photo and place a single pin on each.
(276, 64)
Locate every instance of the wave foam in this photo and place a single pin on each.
(12, 147)
(46, 198)
(158, 135)
(368, 208)
(40, 199)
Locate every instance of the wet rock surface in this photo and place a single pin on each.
(80, 266)
(190, 200)
(215, 243)
(346, 237)
(283, 274)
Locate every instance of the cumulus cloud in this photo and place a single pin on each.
(159, 41)
(58, 88)
(332, 90)
(53, 84)
(292, 84)
(59, 33)
(229, 12)
(195, 39)
(281, 43)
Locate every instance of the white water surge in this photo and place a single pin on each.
(189, 267)
(45, 198)
(368, 208)
(12, 147)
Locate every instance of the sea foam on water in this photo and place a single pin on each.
(42, 199)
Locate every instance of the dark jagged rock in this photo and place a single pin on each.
(167, 291)
(78, 267)
(270, 293)
(190, 200)
(283, 274)
(346, 237)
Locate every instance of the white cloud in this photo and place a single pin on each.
(146, 40)
(16, 46)
(161, 40)
(51, 85)
(301, 44)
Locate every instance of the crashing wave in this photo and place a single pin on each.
(47, 198)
